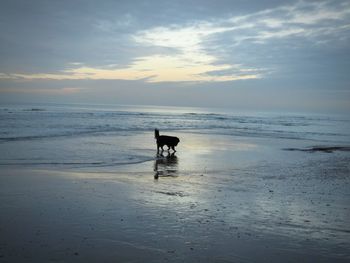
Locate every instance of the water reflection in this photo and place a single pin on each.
(165, 165)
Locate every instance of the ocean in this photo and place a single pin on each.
(76, 136)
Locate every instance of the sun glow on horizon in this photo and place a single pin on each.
(157, 68)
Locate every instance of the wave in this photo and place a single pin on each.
(68, 134)
(78, 164)
(36, 123)
(237, 130)
(34, 109)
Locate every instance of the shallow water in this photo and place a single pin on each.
(74, 136)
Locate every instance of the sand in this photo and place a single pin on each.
(210, 203)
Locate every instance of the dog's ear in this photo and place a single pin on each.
(156, 133)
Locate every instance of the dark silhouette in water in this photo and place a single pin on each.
(165, 165)
(326, 149)
(162, 140)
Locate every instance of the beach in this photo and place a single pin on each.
(249, 99)
(223, 196)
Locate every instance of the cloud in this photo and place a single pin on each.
(211, 50)
(116, 24)
(150, 69)
(46, 91)
(189, 63)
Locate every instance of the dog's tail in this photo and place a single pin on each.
(156, 133)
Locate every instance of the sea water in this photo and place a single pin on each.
(76, 135)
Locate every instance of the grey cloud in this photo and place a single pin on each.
(292, 45)
(44, 36)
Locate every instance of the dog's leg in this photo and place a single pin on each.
(173, 147)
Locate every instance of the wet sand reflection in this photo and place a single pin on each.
(165, 165)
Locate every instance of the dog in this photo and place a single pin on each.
(162, 140)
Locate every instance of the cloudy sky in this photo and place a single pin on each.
(250, 55)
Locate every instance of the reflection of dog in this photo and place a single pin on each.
(162, 140)
(165, 165)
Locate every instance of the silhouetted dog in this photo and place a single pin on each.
(162, 140)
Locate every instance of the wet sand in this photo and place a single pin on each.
(220, 201)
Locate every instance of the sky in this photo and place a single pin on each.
(247, 55)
